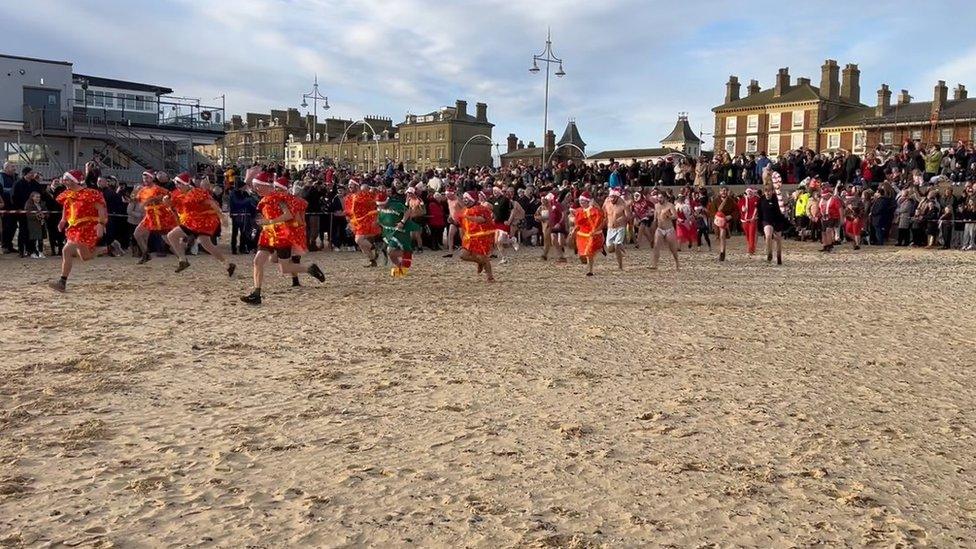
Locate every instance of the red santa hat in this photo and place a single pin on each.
(482, 196)
(353, 183)
(184, 178)
(585, 197)
(262, 178)
(75, 175)
(281, 183)
(551, 197)
(381, 198)
(615, 192)
(471, 196)
(149, 173)
(411, 190)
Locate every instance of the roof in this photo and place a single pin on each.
(571, 135)
(682, 133)
(921, 112)
(633, 153)
(793, 94)
(527, 152)
(448, 113)
(121, 84)
(34, 59)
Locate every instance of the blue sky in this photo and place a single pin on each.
(631, 65)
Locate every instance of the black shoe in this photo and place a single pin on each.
(721, 256)
(294, 282)
(316, 272)
(779, 259)
(144, 259)
(184, 265)
(252, 298)
(57, 286)
(769, 257)
(856, 247)
(231, 267)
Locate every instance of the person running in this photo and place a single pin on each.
(589, 222)
(854, 217)
(454, 208)
(277, 237)
(394, 216)
(477, 233)
(552, 217)
(298, 226)
(159, 218)
(723, 216)
(361, 214)
(830, 216)
(749, 213)
(666, 216)
(83, 221)
(773, 223)
(199, 215)
(618, 214)
(643, 213)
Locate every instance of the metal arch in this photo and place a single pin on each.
(553, 153)
(461, 154)
(368, 125)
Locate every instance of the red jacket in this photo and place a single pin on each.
(748, 208)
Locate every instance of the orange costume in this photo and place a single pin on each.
(362, 214)
(477, 237)
(275, 236)
(297, 206)
(81, 214)
(159, 216)
(589, 237)
(195, 211)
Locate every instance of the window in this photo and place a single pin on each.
(406, 137)
(916, 135)
(98, 100)
(887, 138)
(774, 120)
(833, 141)
(730, 124)
(406, 155)
(427, 138)
(79, 96)
(730, 145)
(860, 140)
(972, 134)
(752, 123)
(797, 119)
(796, 140)
(752, 144)
(945, 136)
(773, 145)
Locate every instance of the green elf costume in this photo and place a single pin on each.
(394, 221)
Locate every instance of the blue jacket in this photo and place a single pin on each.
(761, 163)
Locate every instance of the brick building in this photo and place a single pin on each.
(569, 147)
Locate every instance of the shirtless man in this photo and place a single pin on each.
(665, 214)
(723, 216)
(643, 214)
(454, 208)
(618, 214)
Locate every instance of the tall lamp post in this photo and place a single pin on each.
(315, 96)
(547, 57)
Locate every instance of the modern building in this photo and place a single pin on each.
(54, 119)
(787, 116)
(569, 147)
(681, 142)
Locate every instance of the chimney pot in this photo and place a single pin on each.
(782, 82)
(904, 98)
(960, 93)
(754, 87)
(732, 89)
(829, 80)
(940, 97)
(850, 88)
(482, 112)
(462, 108)
(512, 143)
(884, 101)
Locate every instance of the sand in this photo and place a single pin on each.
(829, 402)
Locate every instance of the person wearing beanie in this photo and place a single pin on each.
(278, 236)
(199, 215)
(83, 220)
(159, 217)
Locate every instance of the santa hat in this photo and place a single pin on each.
(411, 190)
(550, 197)
(585, 197)
(262, 178)
(615, 192)
(471, 196)
(353, 183)
(184, 178)
(482, 196)
(149, 173)
(450, 190)
(381, 198)
(281, 183)
(751, 191)
(75, 175)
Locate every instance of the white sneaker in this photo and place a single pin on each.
(503, 261)
(40, 255)
(515, 245)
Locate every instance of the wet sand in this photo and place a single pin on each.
(828, 402)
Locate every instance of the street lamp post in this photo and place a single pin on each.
(547, 57)
(314, 95)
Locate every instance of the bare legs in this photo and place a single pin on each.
(367, 248)
(672, 242)
(483, 262)
(68, 254)
(771, 237)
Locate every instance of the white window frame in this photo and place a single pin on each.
(774, 121)
(730, 145)
(752, 123)
(730, 123)
(916, 135)
(887, 138)
(833, 140)
(772, 146)
(796, 140)
(942, 134)
(798, 120)
(860, 141)
(752, 144)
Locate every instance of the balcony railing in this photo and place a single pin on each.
(46, 119)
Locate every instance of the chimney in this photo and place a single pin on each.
(904, 98)
(960, 93)
(884, 101)
(462, 109)
(550, 140)
(782, 81)
(512, 143)
(829, 82)
(802, 80)
(531, 144)
(940, 97)
(753, 88)
(521, 145)
(850, 86)
(732, 89)
(482, 110)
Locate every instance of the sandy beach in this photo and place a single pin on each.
(829, 402)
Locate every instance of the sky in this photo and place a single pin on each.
(631, 65)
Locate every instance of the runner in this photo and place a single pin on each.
(643, 213)
(589, 222)
(666, 215)
(830, 215)
(159, 218)
(394, 216)
(854, 217)
(749, 213)
(454, 208)
(477, 233)
(298, 226)
(618, 215)
(552, 217)
(361, 214)
(773, 223)
(199, 215)
(83, 221)
(723, 216)
(277, 237)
